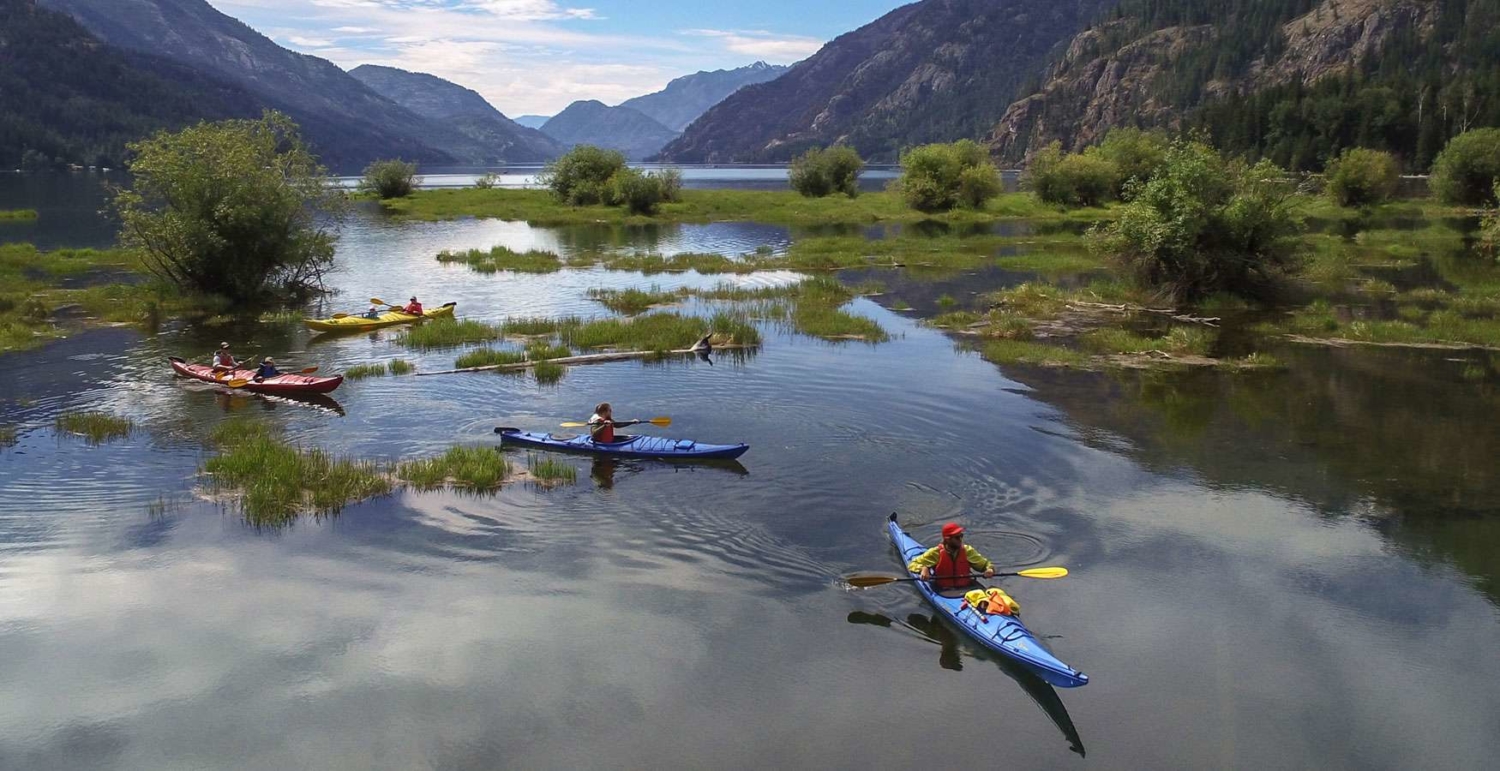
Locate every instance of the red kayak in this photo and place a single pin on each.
(281, 384)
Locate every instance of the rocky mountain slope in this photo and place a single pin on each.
(1294, 80)
(66, 97)
(432, 97)
(619, 128)
(345, 121)
(932, 70)
(687, 97)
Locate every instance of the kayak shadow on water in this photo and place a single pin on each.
(934, 630)
(604, 469)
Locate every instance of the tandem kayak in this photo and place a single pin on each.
(281, 384)
(1002, 634)
(627, 447)
(358, 323)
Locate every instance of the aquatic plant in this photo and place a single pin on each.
(17, 215)
(529, 326)
(633, 301)
(1025, 352)
(96, 427)
(401, 367)
(362, 371)
(449, 333)
(7, 436)
(540, 350)
(501, 258)
(473, 468)
(274, 482)
(548, 372)
(488, 357)
(954, 320)
(550, 471)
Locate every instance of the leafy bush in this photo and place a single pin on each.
(1362, 177)
(1072, 180)
(1136, 155)
(638, 192)
(238, 208)
(1466, 170)
(1489, 234)
(671, 184)
(1204, 225)
(487, 181)
(390, 179)
(581, 177)
(820, 173)
(933, 176)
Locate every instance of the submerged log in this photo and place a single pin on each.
(588, 358)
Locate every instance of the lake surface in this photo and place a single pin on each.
(1286, 570)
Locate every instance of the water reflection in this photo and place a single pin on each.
(952, 650)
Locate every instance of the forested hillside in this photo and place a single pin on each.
(67, 98)
(1292, 80)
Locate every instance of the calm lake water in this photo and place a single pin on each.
(1286, 570)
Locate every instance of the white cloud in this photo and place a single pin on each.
(779, 49)
(309, 42)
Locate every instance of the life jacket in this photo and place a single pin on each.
(223, 359)
(413, 309)
(952, 571)
(992, 600)
(605, 433)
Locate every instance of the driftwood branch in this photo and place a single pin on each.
(588, 358)
(1211, 321)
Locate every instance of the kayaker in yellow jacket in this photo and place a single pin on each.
(950, 565)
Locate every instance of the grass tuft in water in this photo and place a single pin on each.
(1026, 352)
(8, 436)
(362, 371)
(632, 302)
(401, 367)
(488, 357)
(530, 326)
(449, 333)
(551, 471)
(540, 350)
(275, 482)
(17, 215)
(503, 258)
(96, 427)
(548, 372)
(475, 468)
(955, 320)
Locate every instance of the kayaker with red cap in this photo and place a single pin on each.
(950, 564)
(412, 308)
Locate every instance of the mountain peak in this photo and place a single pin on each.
(687, 97)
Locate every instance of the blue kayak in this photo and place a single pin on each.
(1002, 634)
(626, 447)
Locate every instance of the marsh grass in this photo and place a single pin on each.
(632, 302)
(1026, 352)
(652, 264)
(96, 427)
(530, 326)
(17, 215)
(362, 371)
(502, 258)
(540, 350)
(550, 472)
(955, 320)
(1194, 341)
(488, 357)
(401, 367)
(449, 333)
(274, 482)
(8, 436)
(481, 469)
(548, 372)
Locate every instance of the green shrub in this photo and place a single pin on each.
(638, 192)
(1072, 180)
(1204, 225)
(1136, 155)
(671, 184)
(390, 179)
(1362, 177)
(1489, 232)
(1465, 171)
(581, 177)
(487, 181)
(819, 173)
(933, 176)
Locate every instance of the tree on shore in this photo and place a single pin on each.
(239, 209)
(389, 179)
(940, 177)
(820, 173)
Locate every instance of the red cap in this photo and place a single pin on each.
(951, 529)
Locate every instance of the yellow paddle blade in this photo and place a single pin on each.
(865, 582)
(1044, 573)
(573, 424)
(308, 370)
(340, 316)
(237, 383)
(378, 301)
(662, 421)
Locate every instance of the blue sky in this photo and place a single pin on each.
(538, 56)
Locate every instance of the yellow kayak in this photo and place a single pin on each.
(361, 323)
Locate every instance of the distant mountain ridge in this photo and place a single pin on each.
(532, 121)
(432, 97)
(687, 97)
(346, 122)
(66, 97)
(929, 71)
(592, 122)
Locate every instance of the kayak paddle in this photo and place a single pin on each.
(661, 421)
(865, 582)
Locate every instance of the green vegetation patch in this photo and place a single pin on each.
(502, 258)
(274, 482)
(550, 471)
(488, 357)
(481, 469)
(96, 427)
(17, 215)
(362, 371)
(401, 367)
(1027, 352)
(633, 301)
(8, 436)
(1196, 341)
(548, 372)
(449, 333)
(955, 320)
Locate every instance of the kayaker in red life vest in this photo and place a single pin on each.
(413, 308)
(950, 564)
(602, 423)
(224, 360)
